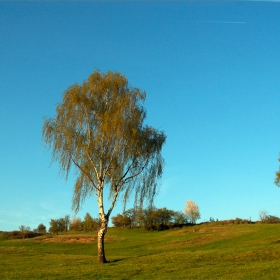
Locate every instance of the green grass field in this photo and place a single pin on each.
(250, 251)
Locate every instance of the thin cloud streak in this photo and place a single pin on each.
(217, 21)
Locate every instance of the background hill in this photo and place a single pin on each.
(208, 251)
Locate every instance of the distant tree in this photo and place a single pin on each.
(57, 225)
(116, 220)
(164, 216)
(41, 228)
(24, 228)
(272, 219)
(263, 215)
(192, 211)
(155, 219)
(76, 224)
(151, 218)
(89, 223)
(265, 218)
(126, 222)
(62, 224)
(99, 130)
(121, 221)
(67, 222)
(145, 217)
(132, 215)
(54, 227)
(179, 218)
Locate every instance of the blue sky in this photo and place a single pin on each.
(211, 73)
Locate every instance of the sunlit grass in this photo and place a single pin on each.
(199, 252)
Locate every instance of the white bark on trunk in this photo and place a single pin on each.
(103, 229)
(100, 240)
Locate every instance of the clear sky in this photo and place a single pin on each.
(211, 71)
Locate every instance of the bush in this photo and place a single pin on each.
(271, 219)
(19, 234)
(121, 221)
(41, 228)
(76, 224)
(233, 222)
(2, 236)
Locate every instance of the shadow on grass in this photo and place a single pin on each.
(115, 261)
(276, 241)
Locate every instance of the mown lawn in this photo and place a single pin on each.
(250, 251)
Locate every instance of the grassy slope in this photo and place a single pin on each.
(199, 252)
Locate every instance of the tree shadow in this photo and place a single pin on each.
(116, 260)
(275, 242)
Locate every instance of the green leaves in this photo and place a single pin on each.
(98, 130)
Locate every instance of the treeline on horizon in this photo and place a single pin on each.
(152, 218)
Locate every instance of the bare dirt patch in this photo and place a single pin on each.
(70, 239)
(201, 239)
(205, 230)
(74, 238)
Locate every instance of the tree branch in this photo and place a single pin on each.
(89, 177)
(136, 174)
(93, 165)
(112, 157)
(114, 200)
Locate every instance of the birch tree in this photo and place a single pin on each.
(192, 211)
(99, 130)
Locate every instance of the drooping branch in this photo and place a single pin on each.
(112, 158)
(83, 171)
(135, 174)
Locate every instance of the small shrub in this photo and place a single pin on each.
(19, 234)
(272, 219)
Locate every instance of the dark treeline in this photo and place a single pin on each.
(151, 218)
(76, 224)
(162, 218)
(56, 226)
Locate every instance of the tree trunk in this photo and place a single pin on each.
(100, 241)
